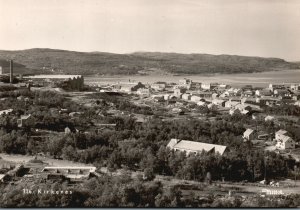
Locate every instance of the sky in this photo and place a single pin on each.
(266, 28)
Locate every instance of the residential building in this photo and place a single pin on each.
(7, 111)
(219, 102)
(201, 103)
(295, 87)
(179, 91)
(269, 118)
(223, 86)
(296, 97)
(211, 106)
(286, 143)
(167, 97)
(272, 87)
(234, 111)
(263, 92)
(192, 147)
(249, 134)
(282, 93)
(67, 130)
(215, 95)
(242, 107)
(248, 93)
(143, 91)
(280, 135)
(245, 111)
(26, 121)
(204, 94)
(186, 96)
(158, 98)
(158, 86)
(194, 86)
(206, 86)
(195, 98)
(185, 82)
(230, 103)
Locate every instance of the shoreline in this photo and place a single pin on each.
(260, 79)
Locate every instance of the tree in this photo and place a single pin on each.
(148, 174)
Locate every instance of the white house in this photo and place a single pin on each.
(206, 86)
(230, 104)
(158, 86)
(249, 134)
(179, 91)
(186, 96)
(185, 82)
(195, 98)
(218, 102)
(264, 92)
(280, 135)
(7, 111)
(285, 143)
(26, 120)
(269, 118)
(201, 103)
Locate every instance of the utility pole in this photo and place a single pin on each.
(265, 158)
(295, 171)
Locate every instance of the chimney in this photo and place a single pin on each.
(11, 71)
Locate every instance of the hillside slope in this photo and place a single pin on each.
(70, 62)
(18, 68)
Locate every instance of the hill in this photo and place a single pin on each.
(18, 68)
(71, 62)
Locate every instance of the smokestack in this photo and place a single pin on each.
(11, 71)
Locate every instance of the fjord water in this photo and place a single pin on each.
(259, 79)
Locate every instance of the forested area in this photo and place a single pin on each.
(134, 147)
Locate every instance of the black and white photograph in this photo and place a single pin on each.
(149, 104)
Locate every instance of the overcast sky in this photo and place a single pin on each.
(242, 27)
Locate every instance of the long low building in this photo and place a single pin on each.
(193, 147)
(69, 169)
(73, 173)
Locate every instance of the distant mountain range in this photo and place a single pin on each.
(40, 60)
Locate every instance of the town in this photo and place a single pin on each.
(188, 144)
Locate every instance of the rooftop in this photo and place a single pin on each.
(195, 146)
(24, 117)
(90, 168)
(281, 131)
(248, 132)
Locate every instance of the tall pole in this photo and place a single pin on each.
(11, 71)
(295, 171)
(265, 169)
